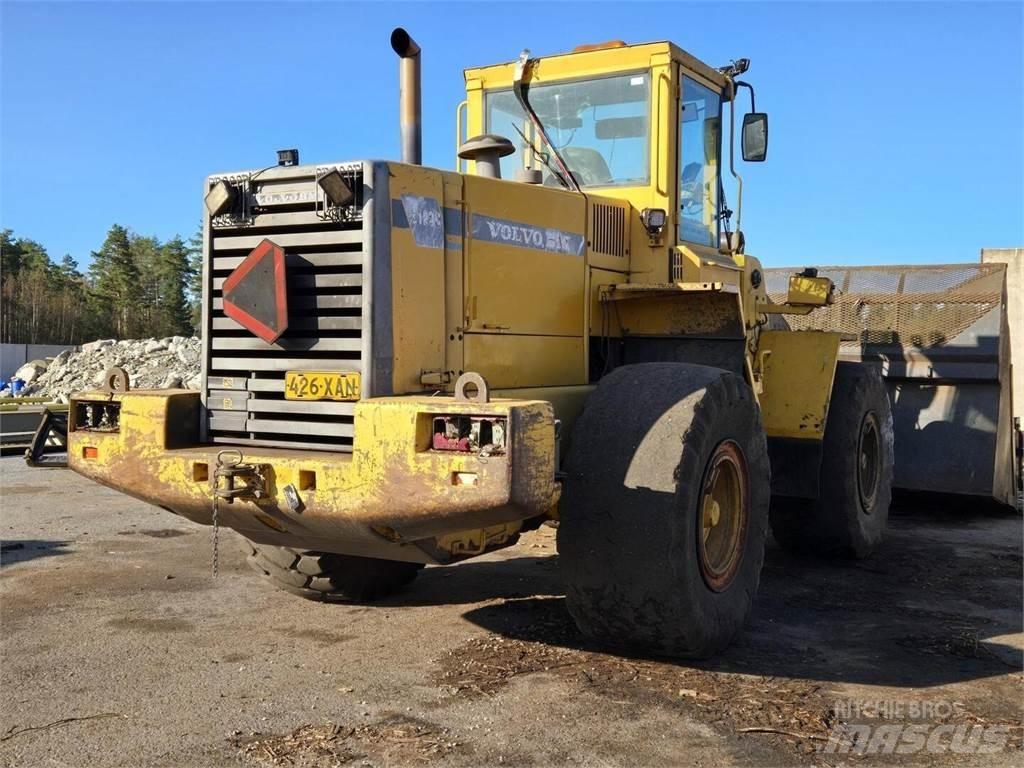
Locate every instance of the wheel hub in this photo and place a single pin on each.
(724, 510)
(869, 461)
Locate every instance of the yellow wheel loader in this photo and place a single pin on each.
(405, 365)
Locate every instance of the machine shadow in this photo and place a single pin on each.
(476, 581)
(13, 551)
(920, 613)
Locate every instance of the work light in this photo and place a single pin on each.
(337, 191)
(653, 220)
(220, 198)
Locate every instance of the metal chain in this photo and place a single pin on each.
(216, 538)
(230, 467)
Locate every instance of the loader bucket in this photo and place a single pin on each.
(940, 336)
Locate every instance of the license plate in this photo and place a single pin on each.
(314, 385)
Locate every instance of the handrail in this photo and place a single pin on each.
(462, 107)
(661, 167)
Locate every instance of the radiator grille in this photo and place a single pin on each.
(608, 230)
(326, 256)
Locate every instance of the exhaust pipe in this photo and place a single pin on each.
(410, 95)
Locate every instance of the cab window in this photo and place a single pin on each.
(699, 133)
(600, 127)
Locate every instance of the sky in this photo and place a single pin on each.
(896, 130)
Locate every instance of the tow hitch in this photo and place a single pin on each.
(234, 479)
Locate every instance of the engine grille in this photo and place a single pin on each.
(326, 257)
(608, 230)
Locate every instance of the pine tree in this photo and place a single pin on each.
(70, 321)
(195, 286)
(11, 259)
(116, 290)
(27, 284)
(10, 255)
(173, 276)
(136, 286)
(146, 257)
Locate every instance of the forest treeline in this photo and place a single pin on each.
(134, 287)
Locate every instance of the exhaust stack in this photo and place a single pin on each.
(410, 95)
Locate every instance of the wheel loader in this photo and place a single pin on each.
(408, 366)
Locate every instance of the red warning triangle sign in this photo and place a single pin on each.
(256, 293)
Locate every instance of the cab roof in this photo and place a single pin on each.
(591, 60)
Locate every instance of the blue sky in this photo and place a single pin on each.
(897, 130)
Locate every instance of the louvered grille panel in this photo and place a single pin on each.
(608, 230)
(327, 269)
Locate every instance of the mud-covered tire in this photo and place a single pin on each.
(631, 533)
(844, 520)
(328, 576)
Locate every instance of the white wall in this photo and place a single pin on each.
(13, 356)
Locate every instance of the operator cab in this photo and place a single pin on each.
(642, 123)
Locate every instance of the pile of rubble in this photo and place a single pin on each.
(150, 364)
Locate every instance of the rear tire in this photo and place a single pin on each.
(849, 516)
(328, 576)
(665, 510)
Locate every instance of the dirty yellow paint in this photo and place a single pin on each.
(391, 480)
(417, 287)
(512, 361)
(796, 370)
(816, 291)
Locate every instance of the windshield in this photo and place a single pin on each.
(600, 127)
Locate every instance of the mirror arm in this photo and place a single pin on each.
(749, 87)
(732, 164)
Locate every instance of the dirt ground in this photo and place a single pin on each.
(119, 649)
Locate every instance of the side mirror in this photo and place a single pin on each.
(755, 137)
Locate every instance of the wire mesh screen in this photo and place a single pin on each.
(924, 307)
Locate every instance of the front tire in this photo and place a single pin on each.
(665, 508)
(849, 516)
(328, 576)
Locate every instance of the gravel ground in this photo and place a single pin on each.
(120, 649)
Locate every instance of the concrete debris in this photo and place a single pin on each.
(172, 362)
(30, 370)
(92, 346)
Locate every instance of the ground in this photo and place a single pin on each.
(120, 648)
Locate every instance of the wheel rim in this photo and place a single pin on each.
(723, 512)
(869, 461)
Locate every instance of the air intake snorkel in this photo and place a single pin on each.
(520, 92)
